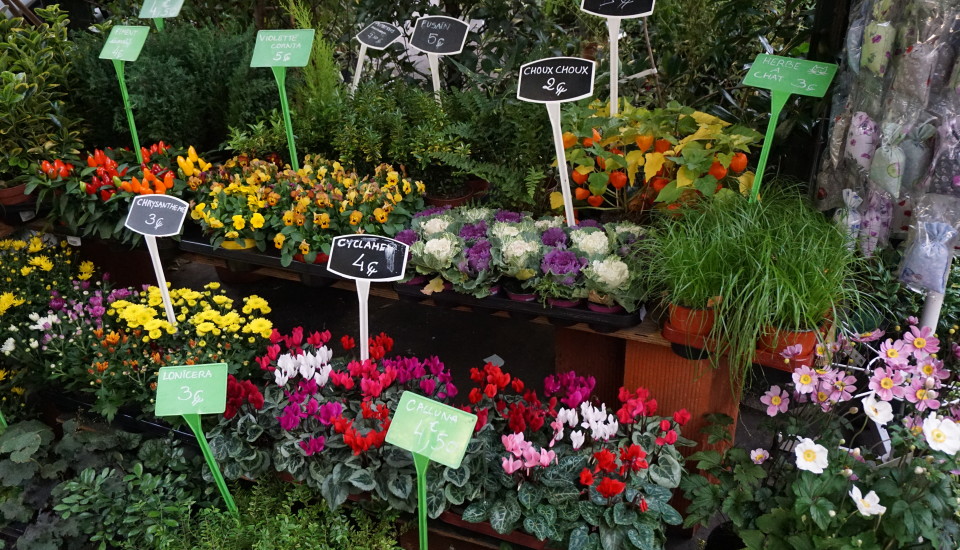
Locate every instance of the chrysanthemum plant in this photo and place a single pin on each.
(858, 457)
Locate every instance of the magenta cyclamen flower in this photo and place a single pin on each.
(428, 386)
(776, 401)
(923, 397)
(313, 445)
(921, 342)
(328, 412)
(805, 379)
(887, 383)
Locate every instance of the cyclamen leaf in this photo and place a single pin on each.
(579, 538)
(476, 512)
(401, 486)
(642, 537)
(363, 480)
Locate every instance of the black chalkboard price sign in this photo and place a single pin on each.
(625, 9)
(556, 80)
(439, 34)
(378, 35)
(156, 215)
(368, 258)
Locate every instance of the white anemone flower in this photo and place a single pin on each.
(811, 456)
(879, 411)
(868, 505)
(942, 434)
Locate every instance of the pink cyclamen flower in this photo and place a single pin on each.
(923, 397)
(759, 456)
(893, 353)
(887, 383)
(805, 379)
(515, 444)
(921, 341)
(776, 401)
(510, 466)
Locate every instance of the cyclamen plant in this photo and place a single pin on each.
(335, 414)
(835, 478)
(565, 469)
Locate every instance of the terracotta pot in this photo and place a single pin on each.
(775, 340)
(557, 302)
(692, 321)
(14, 195)
(478, 187)
(452, 202)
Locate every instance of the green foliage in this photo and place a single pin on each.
(34, 123)
(274, 515)
(243, 445)
(188, 85)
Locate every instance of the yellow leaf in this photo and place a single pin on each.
(435, 285)
(746, 182)
(556, 200)
(703, 132)
(653, 165)
(584, 170)
(684, 177)
(704, 118)
(634, 162)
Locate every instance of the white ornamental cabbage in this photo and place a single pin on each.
(595, 243)
(504, 230)
(442, 250)
(515, 251)
(435, 225)
(611, 273)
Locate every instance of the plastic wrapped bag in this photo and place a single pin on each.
(913, 73)
(929, 250)
(878, 39)
(862, 139)
(886, 169)
(917, 150)
(875, 225)
(849, 218)
(944, 175)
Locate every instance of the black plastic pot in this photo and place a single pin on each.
(724, 537)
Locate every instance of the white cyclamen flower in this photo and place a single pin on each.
(7, 347)
(441, 249)
(868, 505)
(280, 377)
(611, 272)
(942, 434)
(879, 411)
(577, 437)
(435, 225)
(595, 243)
(568, 416)
(810, 456)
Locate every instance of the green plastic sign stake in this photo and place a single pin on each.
(784, 76)
(190, 391)
(124, 44)
(3, 421)
(279, 50)
(160, 9)
(431, 431)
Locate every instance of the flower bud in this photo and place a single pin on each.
(854, 410)
(847, 472)
(919, 470)
(832, 513)
(856, 452)
(929, 383)
(842, 441)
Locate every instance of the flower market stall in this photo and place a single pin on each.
(245, 304)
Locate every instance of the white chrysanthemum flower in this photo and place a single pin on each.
(811, 456)
(8, 347)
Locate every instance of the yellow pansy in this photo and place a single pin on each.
(380, 215)
(355, 217)
(278, 240)
(304, 247)
(238, 222)
(256, 221)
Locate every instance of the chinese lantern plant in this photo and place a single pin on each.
(91, 196)
(642, 157)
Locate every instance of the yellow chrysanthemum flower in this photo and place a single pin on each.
(8, 300)
(86, 270)
(42, 262)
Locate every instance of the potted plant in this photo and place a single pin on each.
(34, 62)
(232, 203)
(841, 471)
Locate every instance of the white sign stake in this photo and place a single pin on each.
(553, 109)
(157, 216)
(553, 81)
(434, 61)
(161, 279)
(366, 258)
(359, 69)
(613, 25)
